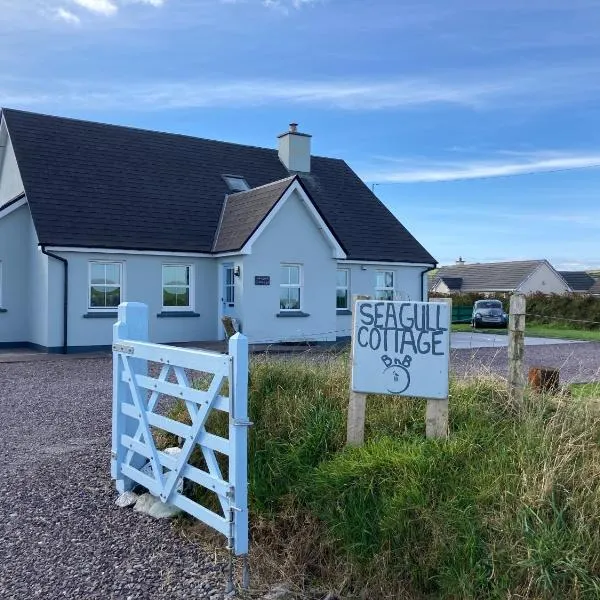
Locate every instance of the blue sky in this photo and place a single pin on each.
(478, 121)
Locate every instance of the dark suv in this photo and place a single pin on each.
(488, 313)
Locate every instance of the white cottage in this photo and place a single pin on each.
(92, 215)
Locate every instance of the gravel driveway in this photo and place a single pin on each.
(578, 363)
(61, 535)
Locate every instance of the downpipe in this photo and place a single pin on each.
(65, 263)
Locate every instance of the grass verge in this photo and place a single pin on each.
(540, 331)
(508, 507)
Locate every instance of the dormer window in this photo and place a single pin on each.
(236, 183)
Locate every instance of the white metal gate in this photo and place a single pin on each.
(146, 375)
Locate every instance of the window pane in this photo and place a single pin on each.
(97, 299)
(113, 274)
(97, 273)
(229, 275)
(384, 295)
(113, 296)
(295, 275)
(285, 275)
(183, 296)
(169, 298)
(294, 298)
(342, 278)
(389, 279)
(342, 299)
(176, 275)
(380, 282)
(230, 294)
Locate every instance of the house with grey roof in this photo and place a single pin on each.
(524, 276)
(92, 215)
(580, 282)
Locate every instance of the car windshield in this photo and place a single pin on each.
(489, 304)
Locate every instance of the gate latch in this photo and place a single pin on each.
(123, 348)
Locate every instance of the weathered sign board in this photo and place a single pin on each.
(401, 348)
(262, 280)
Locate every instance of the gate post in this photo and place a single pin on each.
(238, 439)
(132, 324)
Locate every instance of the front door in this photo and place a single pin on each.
(228, 292)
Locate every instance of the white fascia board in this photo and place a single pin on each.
(338, 252)
(388, 264)
(139, 252)
(16, 205)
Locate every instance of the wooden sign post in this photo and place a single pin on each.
(357, 406)
(401, 349)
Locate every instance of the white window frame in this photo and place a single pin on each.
(191, 303)
(121, 266)
(1, 284)
(299, 285)
(391, 288)
(346, 288)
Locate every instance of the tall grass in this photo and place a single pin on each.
(508, 507)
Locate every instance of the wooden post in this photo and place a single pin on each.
(131, 325)
(358, 401)
(516, 348)
(436, 412)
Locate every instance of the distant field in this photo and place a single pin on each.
(540, 331)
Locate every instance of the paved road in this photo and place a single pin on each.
(61, 535)
(498, 340)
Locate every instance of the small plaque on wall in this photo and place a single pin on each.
(262, 280)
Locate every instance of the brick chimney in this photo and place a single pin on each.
(294, 150)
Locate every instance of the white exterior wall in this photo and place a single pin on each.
(14, 287)
(11, 184)
(408, 285)
(291, 237)
(544, 280)
(39, 299)
(142, 282)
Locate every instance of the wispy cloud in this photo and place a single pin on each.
(101, 7)
(62, 14)
(406, 171)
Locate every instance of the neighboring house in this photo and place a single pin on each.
(526, 277)
(579, 281)
(92, 215)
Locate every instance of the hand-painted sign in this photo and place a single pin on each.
(401, 348)
(262, 280)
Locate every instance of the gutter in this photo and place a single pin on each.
(65, 263)
(423, 276)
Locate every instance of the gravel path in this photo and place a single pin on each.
(61, 534)
(578, 363)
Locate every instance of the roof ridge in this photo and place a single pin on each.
(258, 187)
(4, 109)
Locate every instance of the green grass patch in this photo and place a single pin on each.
(586, 390)
(508, 507)
(548, 331)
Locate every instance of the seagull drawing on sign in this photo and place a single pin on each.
(397, 376)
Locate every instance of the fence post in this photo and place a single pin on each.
(516, 348)
(238, 438)
(436, 411)
(132, 324)
(357, 406)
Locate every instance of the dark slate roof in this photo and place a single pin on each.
(453, 283)
(579, 281)
(502, 276)
(595, 289)
(105, 186)
(245, 211)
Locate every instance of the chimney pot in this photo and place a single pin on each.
(293, 127)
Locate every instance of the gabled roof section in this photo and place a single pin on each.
(502, 276)
(452, 283)
(578, 281)
(104, 186)
(245, 211)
